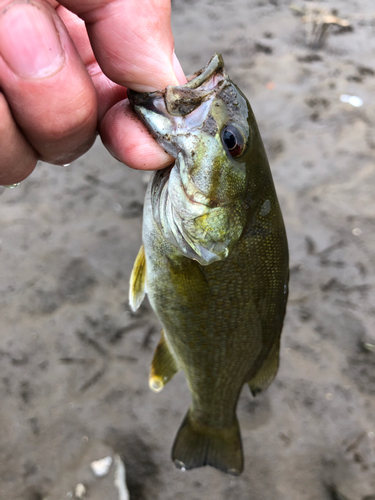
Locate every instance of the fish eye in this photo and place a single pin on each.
(233, 140)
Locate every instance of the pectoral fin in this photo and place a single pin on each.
(163, 366)
(137, 290)
(268, 371)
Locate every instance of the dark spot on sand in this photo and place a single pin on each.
(261, 47)
(309, 58)
(354, 78)
(362, 370)
(33, 494)
(137, 457)
(25, 391)
(76, 281)
(365, 71)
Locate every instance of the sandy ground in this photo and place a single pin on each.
(74, 361)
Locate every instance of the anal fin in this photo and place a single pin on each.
(137, 290)
(163, 366)
(267, 372)
(197, 445)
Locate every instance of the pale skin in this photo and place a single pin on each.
(64, 70)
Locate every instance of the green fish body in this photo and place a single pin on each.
(214, 260)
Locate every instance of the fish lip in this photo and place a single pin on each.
(180, 100)
(144, 99)
(215, 64)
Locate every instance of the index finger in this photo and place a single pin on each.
(132, 40)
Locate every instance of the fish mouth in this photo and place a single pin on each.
(181, 100)
(177, 109)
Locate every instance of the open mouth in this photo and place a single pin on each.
(175, 111)
(181, 100)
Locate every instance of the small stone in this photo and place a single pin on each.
(101, 467)
(80, 491)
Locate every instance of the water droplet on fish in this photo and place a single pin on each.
(356, 231)
(66, 165)
(11, 186)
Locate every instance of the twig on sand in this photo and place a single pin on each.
(319, 21)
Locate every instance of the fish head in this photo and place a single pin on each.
(206, 125)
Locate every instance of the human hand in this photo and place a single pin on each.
(57, 90)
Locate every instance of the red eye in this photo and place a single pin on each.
(233, 140)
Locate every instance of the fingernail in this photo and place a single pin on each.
(179, 72)
(29, 41)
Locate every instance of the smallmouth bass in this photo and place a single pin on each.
(214, 259)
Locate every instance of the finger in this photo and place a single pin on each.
(179, 72)
(121, 132)
(18, 158)
(47, 87)
(125, 137)
(132, 40)
(129, 140)
(108, 92)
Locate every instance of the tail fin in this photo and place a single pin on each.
(197, 445)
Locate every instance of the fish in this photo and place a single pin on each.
(214, 259)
